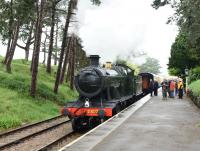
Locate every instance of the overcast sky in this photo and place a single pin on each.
(117, 27)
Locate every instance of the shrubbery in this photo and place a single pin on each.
(194, 74)
(22, 85)
(45, 92)
(194, 92)
(195, 87)
(13, 82)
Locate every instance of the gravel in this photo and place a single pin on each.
(28, 131)
(42, 139)
(65, 142)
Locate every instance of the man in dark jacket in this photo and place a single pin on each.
(151, 85)
(155, 87)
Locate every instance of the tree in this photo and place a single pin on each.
(71, 7)
(158, 3)
(27, 38)
(128, 63)
(72, 64)
(51, 42)
(14, 15)
(38, 34)
(182, 56)
(175, 71)
(187, 44)
(67, 52)
(151, 65)
(6, 27)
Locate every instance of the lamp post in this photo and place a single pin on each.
(186, 78)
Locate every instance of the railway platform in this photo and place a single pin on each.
(157, 125)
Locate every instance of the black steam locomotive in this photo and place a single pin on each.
(103, 92)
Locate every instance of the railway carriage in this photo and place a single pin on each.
(146, 79)
(103, 92)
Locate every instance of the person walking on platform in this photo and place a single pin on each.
(171, 88)
(151, 86)
(180, 89)
(168, 88)
(164, 90)
(155, 87)
(176, 87)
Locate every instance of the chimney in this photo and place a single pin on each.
(94, 60)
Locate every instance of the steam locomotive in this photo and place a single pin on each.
(103, 92)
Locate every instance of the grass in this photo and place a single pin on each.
(17, 107)
(195, 88)
(20, 81)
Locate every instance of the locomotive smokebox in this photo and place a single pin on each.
(94, 60)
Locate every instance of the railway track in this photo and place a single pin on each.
(28, 126)
(19, 135)
(56, 142)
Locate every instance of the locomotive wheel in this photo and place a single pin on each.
(117, 109)
(76, 124)
(93, 122)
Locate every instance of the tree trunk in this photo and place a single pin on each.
(68, 70)
(73, 66)
(38, 35)
(28, 43)
(12, 47)
(35, 32)
(32, 61)
(8, 50)
(68, 49)
(26, 55)
(56, 44)
(9, 33)
(69, 13)
(51, 36)
(44, 50)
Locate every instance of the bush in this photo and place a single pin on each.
(194, 74)
(195, 88)
(47, 93)
(194, 92)
(14, 82)
(22, 85)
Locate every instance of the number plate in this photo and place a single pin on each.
(92, 111)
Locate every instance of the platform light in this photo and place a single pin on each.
(186, 80)
(186, 71)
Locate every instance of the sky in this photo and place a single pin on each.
(117, 27)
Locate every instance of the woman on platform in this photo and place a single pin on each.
(171, 88)
(180, 89)
(164, 90)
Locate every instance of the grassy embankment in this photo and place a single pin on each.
(195, 93)
(195, 88)
(17, 107)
